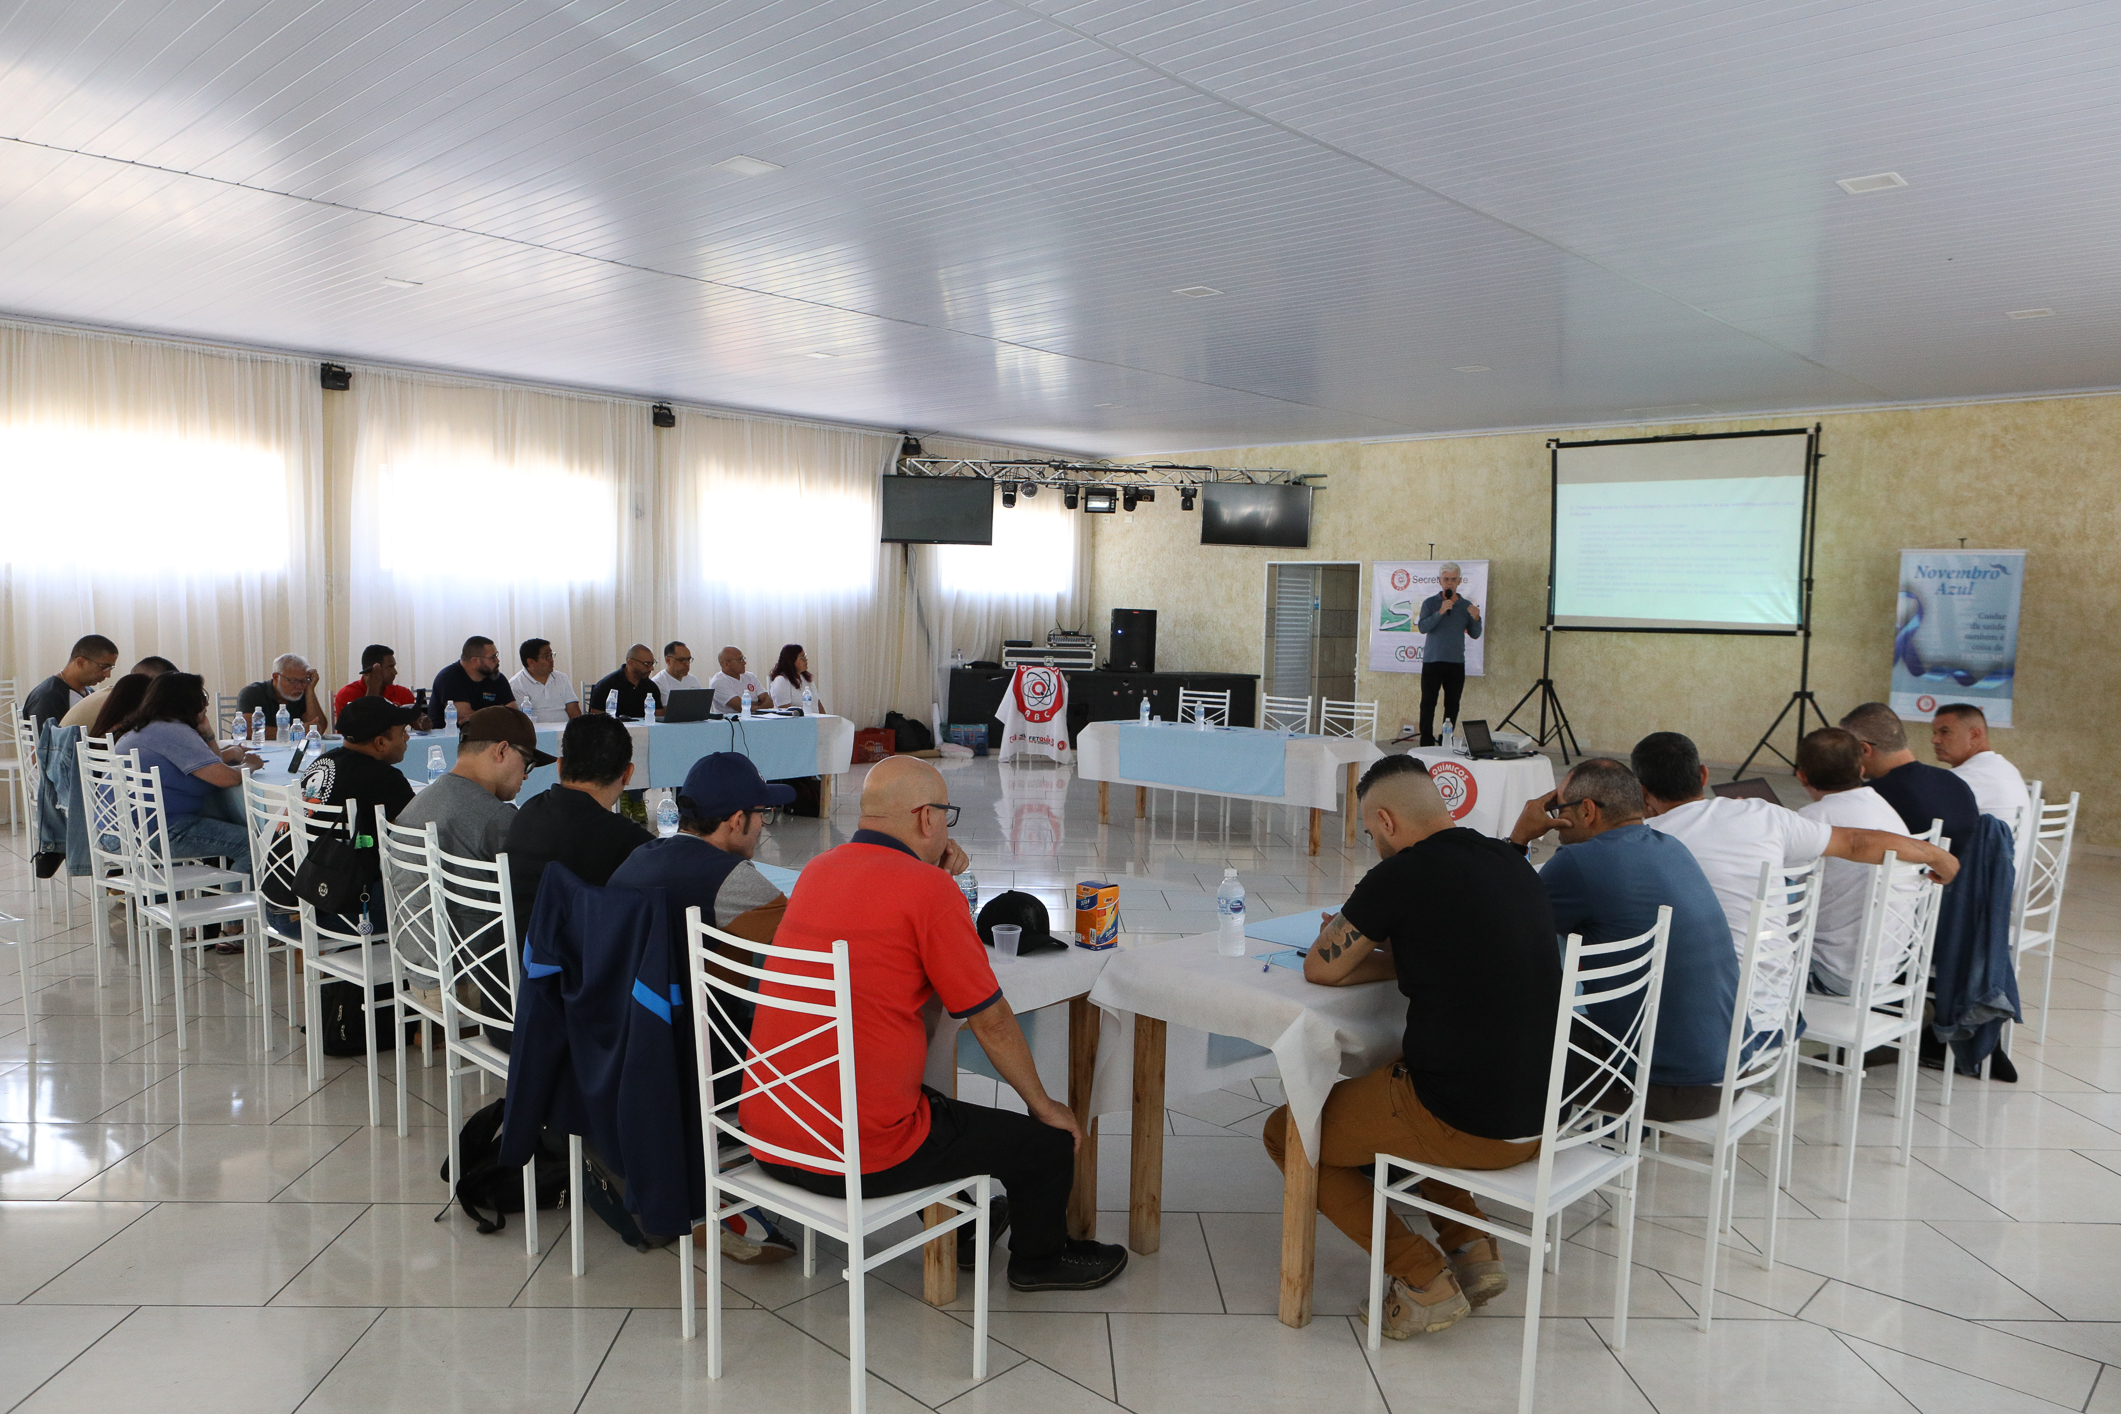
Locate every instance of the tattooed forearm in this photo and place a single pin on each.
(1340, 936)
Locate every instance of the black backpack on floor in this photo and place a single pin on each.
(910, 735)
(339, 1015)
(490, 1186)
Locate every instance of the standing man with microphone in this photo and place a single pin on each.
(1447, 620)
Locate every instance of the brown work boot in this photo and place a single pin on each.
(1478, 1267)
(1422, 1310)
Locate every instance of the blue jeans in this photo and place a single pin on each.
(206, 837)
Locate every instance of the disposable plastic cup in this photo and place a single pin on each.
(1006, 938)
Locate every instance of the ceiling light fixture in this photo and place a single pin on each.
(1877, 181)
(742, 166)
(1030, 488)
(1473, 368)
(1100, 500)
(820, 353)
(402, 283)
(1009, 495)
(2030, 313)
(1197, 292)
(1136, 494)
(1070, 495)
(1185, 497)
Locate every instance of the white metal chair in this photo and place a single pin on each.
(1759, 1086)
(475, 918)
(340, 947)
(183, 907)
(268, 813)
(2046, 858)
(824, 1004)
(1585, 1146)
(20, 931)
(11, 767)
(1885, 1009)
(1215, 706)
(1285, 714)
(225, 714)
(414, 933)
(1356, 719)
(58, 889)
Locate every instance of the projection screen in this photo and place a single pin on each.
(1681, 534)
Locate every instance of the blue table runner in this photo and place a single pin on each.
(1225, 760)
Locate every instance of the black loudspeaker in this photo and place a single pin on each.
(1133, 641)
(334, 377)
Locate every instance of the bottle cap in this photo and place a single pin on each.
(1229, 873)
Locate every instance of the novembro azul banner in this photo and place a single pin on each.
(1955, 636)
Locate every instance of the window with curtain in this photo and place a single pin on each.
(166, 496)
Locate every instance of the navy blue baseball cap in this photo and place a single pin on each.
(718, 786)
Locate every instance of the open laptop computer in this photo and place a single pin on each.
(1480, 744)
(688, 704)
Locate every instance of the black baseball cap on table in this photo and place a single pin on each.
(1025, 912)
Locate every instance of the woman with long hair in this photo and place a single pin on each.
(791, 674)
(201, 790)
(123, 699)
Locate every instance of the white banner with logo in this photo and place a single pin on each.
(1034, 715)
(1397, 589)
(1955, 635)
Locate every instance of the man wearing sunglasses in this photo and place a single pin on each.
(890, 894)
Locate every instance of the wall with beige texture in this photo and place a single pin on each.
(2038, 476)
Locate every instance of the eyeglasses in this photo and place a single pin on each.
(950, 813)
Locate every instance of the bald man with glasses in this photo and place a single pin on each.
(635, 684)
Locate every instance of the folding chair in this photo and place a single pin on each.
(2046, 857)
(417, 948)
(1285, 714)
(825, 1050)
(268, 813)
(1356, 719)
(1759, 1085)
(1583, 1147)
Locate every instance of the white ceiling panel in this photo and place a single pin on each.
(982, 209)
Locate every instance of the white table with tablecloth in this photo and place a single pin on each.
(1237, 763)
(1487, 795)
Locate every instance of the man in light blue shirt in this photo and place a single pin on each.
(1447, 620)
(1607, 882)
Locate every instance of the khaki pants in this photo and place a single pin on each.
(1380, 1114)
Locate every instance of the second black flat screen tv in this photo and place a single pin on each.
(938, 510)
(1235, 513)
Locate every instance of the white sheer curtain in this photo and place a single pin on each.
(767, 535)
(166, 496)
(496, 511)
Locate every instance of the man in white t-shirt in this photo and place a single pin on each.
(677, 670)
(1830, 768)
(732, 684)
(541, 688)
(1733, 836)
(1959, 736)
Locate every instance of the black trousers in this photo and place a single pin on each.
(1034, 1161)
(1450, 679)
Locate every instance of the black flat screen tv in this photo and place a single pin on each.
(938, 510)
(1236, 513)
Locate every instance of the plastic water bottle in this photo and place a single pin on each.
(257, 724)
(1143, 717)
(449, 717)
(437, 767)
(968, 882)
(1230, 916)
(1450, 735)
(1200, 715)
(299, 734)
(666, 818)
(279, 724)
(743, 703)
(611, 703)
(809, 701)
(239, 730)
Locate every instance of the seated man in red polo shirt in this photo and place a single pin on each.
(910, 938)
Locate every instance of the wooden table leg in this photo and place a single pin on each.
(1104, 802)
(1318, 819)
(939, 1258)
(1299, 1231)
(1141, 802)
(1145, 1196)
(1083, 1023)
(1348, 811)
(825, 789)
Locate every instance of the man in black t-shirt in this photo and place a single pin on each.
(365, 770)
(572, 823)
(634, 682)
(472, 682)
(89, 663)
(1459, 921)
(1920, 792)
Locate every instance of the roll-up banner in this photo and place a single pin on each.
(1397, 589)
(1955, 637)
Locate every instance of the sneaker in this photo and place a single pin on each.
(1478, 1267)
(1081, 1265)
(1422, 1310)
(47, 864)
(751, 1241)
(997, 1224)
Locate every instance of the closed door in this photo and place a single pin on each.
(1311, 627)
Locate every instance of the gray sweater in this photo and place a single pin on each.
(1447, 632)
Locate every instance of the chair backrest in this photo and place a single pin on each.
(25, 733)
(1899, 930)
(151, 863)
(478, 918)
(1285, 714)
(103, 797)
(1614, 1065)
(1216, 705)
(1771, 976)
(268, 814)
(408, 854)
(2047, 870)
(1356, 719)
(225, 713)
(819, 992)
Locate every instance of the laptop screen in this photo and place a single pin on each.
(1478, 741)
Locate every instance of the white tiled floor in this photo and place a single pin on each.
(197, 1230)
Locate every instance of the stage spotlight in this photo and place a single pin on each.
(1136, 494)
(1100, 500)
(910, 446)
(1030, 488)
(1070, 495)
(1185, 497)
(1009, 494)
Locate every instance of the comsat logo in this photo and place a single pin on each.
(1408, 653)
